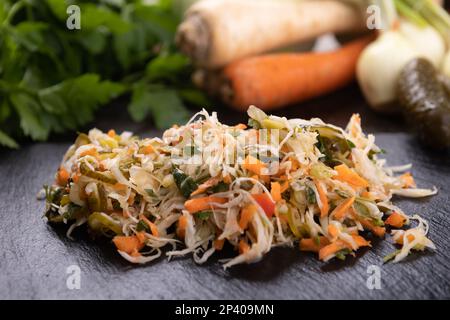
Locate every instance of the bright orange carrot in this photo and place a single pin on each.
(408, 180)
(181, 228)
(333, 231)
(151, 225)
(399, 240)
(323, 199)
(241, 126)
(62, 176)
(111, 133)
(338, 245)
(275, 80)
(367, 224)
(284, 186)
(227, 179)
(340, 211)
(309, 244)
(346, 174)
(396, 220)
(275, 191)
(330, 249)
(246, 216)
(75, 177)
(204, 203)
(147, 149)
(360, 241)
(206, 185)
(128, 244)
(90, 152)
(253, 165)
(141, 236)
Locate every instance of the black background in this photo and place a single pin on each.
(34, 256)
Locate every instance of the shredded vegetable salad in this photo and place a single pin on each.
(203, 185)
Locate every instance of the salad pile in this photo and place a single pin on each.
(203, 185)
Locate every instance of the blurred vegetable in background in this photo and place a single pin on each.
(53, 79)
(413, 28)
(272, 81)
(215, 33)
(426, 102)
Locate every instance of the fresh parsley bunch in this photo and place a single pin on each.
(53, 79)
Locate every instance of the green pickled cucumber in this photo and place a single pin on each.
(84, 169)
(426, 102)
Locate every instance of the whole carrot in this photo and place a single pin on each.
(275, 80)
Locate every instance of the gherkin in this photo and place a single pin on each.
(426, 102)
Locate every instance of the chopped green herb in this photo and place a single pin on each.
(142, 226)
(317, 240)
(350, 144)
(310, 195)
(204, 215)
(185, 184)
(221, 187)
(343, 253)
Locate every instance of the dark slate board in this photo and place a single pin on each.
(34, 256)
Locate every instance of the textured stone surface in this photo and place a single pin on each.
(34, 256)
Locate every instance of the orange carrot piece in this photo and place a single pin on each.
(240, 126)
(89, 152)
(323, 199)
(410, 238)
(206, 185)
(151, 225)
(340, 211)
(119, 186)
(333, 231)
(408, 180)
(182, 225)
(128, 244)
(274, 80)
(330, 249)
(275, 191)
(111, 133)
(204, 203)
(377, 230)
(227, 178)
(147, 149)
(141, 236)
(338, 245)
(75, 177)
(243, 246)
(395, 220)
(62, 176)
(360, 241)
(253, 165)
(309, 244)
(345, 174)
(218, 244)
(284, 186)
(246, 216)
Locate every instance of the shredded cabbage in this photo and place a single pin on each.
(195, 190)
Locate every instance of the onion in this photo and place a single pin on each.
(379, 66)
(426, 41)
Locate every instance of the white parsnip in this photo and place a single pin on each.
(217, 32)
